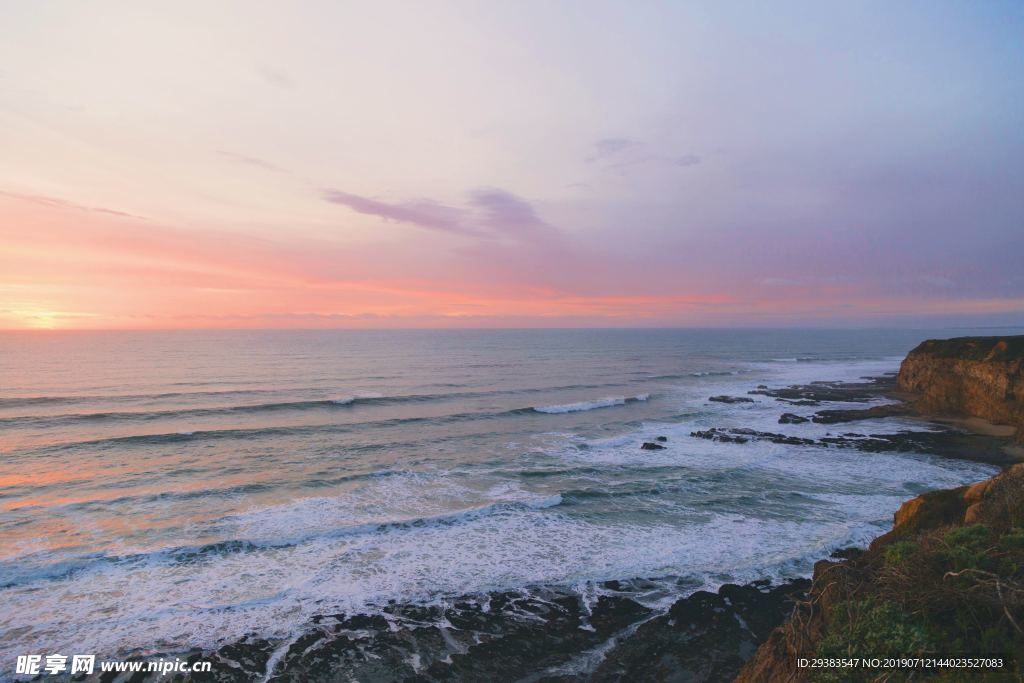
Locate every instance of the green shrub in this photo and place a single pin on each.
(871, 628)
(1012, 540)
(976, 537)
(968, 548)
(899, 552)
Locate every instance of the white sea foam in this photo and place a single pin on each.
(739, 512)
(202, 603)
(591, 405)
(348, 400)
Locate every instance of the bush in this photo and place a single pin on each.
(871, 628)
(899, 552)
(968, 548)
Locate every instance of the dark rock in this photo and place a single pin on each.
(847, 553)
(662, 439)
(874, 412)
(731, 399)
(652, 446)
(498, 636)
(856, 392)
(742, 435)
(714, 434)
(791, 419)
(704, 637)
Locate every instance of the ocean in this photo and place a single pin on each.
(161, 491)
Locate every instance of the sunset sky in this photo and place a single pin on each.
(528, 163)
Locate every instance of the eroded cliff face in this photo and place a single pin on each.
(972, 376)
(952, 560)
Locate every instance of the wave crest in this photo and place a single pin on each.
(583, 406)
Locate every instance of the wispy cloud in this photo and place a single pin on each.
(275, 76)
(56, 203)
(610, 147)
(623, 152)
(503, 212)
(252, 161)
(488, 212)
(423, 213)
(688, 160)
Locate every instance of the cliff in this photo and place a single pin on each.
(947, 580)
(973, 376)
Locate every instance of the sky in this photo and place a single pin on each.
(510, 164)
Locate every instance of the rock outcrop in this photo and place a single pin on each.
(946, 580)
(974, 376)
(948, 576)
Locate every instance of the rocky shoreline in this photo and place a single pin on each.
(943, 439)
(549, 633)
(538, 634)
(948, 579)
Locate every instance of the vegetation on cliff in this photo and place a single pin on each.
(947, 580)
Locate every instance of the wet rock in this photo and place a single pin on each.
(743, 435)
(874, 412)
(714, 434)
(856, 392)
(662, 439)
(792, 419)
(847, 553)
(731, 399)
(497, 636)
(704, 637)
(652, 446)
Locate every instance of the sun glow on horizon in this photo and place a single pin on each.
(509, 165)
(35, 318)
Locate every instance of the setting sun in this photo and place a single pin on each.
(34, 319)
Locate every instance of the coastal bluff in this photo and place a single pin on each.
(946, 580)
(979, 377)
(948, 577)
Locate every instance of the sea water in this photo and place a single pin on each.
(167, 490)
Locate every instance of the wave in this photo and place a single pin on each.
(206, 412)
(20, 571)
(356, 399)
(271, 431)
(59, 399)
(583, 406)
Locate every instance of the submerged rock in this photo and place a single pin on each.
(731, 399)
(652, 446)
(792, 419)
(742, 435)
